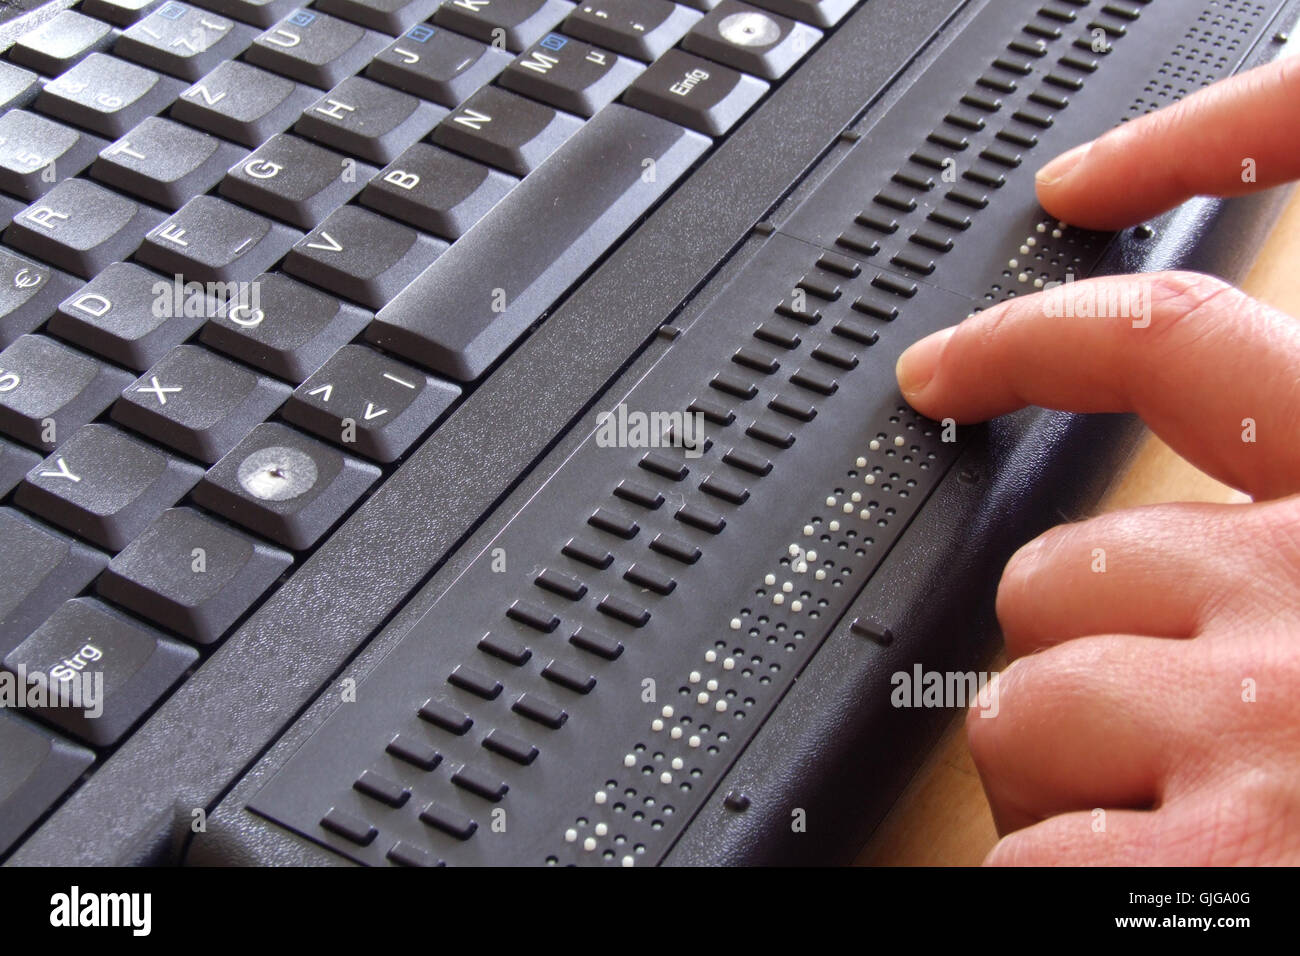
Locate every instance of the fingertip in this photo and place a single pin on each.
(919, 363)
(1058, 170)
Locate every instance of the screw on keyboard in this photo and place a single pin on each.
(284, 485)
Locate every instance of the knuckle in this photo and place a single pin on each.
(1179, 298)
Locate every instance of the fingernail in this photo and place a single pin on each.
(1059, 168)
(918, 363)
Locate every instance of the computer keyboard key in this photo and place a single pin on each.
(570, 74)
(694, 92)
(36, 768)
(121, 12)
(36, 153)
(294, 180)
(192, 575)
(506, 130)
(165, 163)
(369, 403)
(751, 40)
(42, 570)
(437, 191)
(517, 22)
(29, 292)
(18, 87)
(820, 13)
(184, 41)
(61, 41)
(367, 119)
(315, 48)
(107, 95)
(211, 240)
(82, 227)
(128, 315)
(260, 13)
(644, 29)
(87, 641)
(292, 330)
(362, 256)
(386, 16)
(285, 486)
(105, 486)
(48, 391)
(437, 64)
(496, 280)
(242, 103)
(15, 461)
(198, 403)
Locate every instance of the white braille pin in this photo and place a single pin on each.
(602, 829)
(834, 526)
(1057, 234)
(729, 664)
(702, 697)
(735, 623)
(864, 514)
(820, 575)
(1031, 241)
(808, 531)
(778, 598)
(769, 579)
(570, 835)
(629, 760)
(856, 496)
(830, 501)
(794, 550)
(787, 586)
(1038, 283)
(848, 508)
(861, 463)
(1013, 263)
(812, 555)
(875, 445)
(796, 606)
(898, 440)
(665, 777)
(1024, 250)
(801, 567)
(711, 685)
(1041, 227)
(668, 710)
(678, 763)
(1023, 277)
(720, 706)
(656, 725)
(695, 677)
(675, 733)
(589, 844)
(600, 798)
(710, 656)
(629, 861)
(869, 480)
(694, 741)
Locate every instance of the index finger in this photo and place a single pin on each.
(1228, 139)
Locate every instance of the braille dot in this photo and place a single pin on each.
(667, 711)
(678, 763)
(602, 829)
(796, 606)
(710, 656)
(729, 664)
(769, 579)
(778, 598)
(787, 586)
(861, 463)
(702, 697)
(601, 797)
(665, 777)
(589, 844)
(898, 440)
(695, 677)
(570, 835)
(875, 445)
(735, 623)
(712, 685)
(720, 706)
(834, 526)
(694, 741)
(656, 725)
(629, 760)
(807, 531)
(629, 861)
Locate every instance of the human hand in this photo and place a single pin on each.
(1155, 671)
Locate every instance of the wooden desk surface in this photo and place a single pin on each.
(942, 819)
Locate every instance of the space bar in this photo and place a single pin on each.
(479, 296)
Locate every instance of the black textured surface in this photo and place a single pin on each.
(265, 674)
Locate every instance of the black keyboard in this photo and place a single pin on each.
(361, 580)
